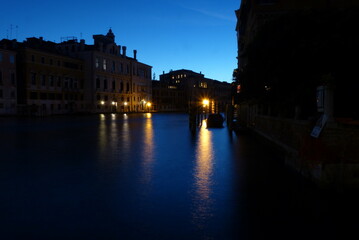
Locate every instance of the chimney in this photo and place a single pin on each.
(124, 51)
(119, 50)
(135, 54)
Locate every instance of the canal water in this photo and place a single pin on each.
(146, 176)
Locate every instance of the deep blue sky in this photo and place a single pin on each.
(198, 35)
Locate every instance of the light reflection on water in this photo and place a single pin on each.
(147, 149)
(203, 177)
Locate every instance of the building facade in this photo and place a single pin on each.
(114, 82)
(72, 77)
(49, 82)
(8, 82)
(180, 89)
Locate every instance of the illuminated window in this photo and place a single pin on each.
(104, 64)
(203, 85)
(97, 63)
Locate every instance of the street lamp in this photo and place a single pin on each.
(148, 106)
(205, 102)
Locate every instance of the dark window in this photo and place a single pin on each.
(43, 96)
(97, 83)
(105, 84)
(43, 80)
(32, 58)
(13, 79)
(59, 81)
(42, 60)
(51, 81)
(113, 85)
(71, 83)
(33, 95)
(33, 78)
(0, 77)
(1, 94)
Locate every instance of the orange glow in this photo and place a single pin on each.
(203, 176)
(205, 102)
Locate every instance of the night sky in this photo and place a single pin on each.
(198, 35)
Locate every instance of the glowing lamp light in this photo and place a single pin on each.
(102, 103)
(113, 103)
(125, 103)
(148, 104)
(205, 102)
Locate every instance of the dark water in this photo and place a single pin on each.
(145, 176)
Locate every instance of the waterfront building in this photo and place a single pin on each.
(8, 82)
(294, 82)
(178, 90)
(114, 82)
(49, 82)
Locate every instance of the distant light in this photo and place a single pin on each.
(125, 103)
(113, 103)
(102, 103)
(148, 104)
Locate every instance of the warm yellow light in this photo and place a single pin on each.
(149, 104)
(205, 102)
(102, 103)
(113, 103)
(125, 103)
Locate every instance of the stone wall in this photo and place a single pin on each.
(332, 159)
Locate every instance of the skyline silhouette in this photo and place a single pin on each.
(197, 35)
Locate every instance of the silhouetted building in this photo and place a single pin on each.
(294, 82)
(177, 90)
(115, 82)
(8, 82)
